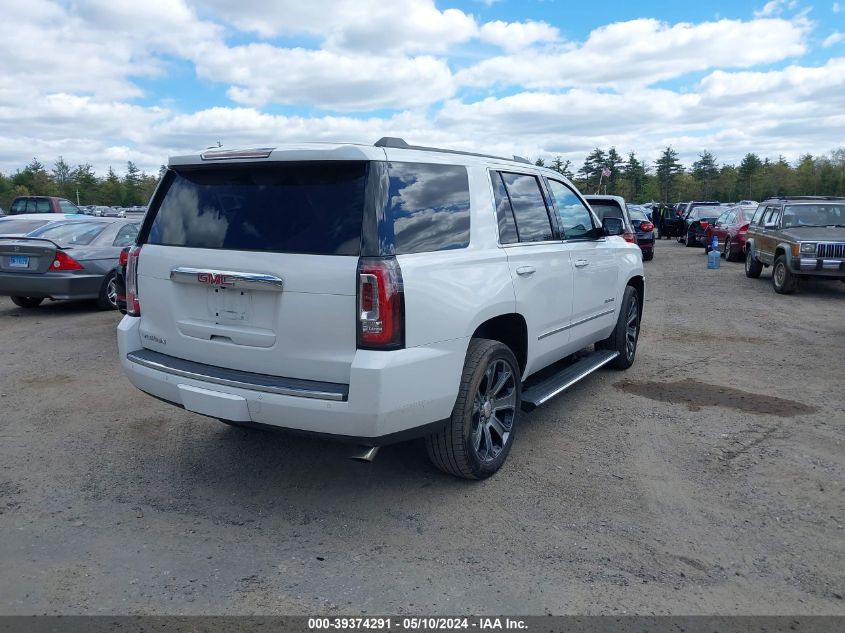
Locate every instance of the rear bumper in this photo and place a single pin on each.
(390, 395)
(50, 285)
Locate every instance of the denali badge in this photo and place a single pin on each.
(215, 279)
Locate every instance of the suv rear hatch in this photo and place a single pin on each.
(253, 266)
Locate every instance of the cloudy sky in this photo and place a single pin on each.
(106, 81)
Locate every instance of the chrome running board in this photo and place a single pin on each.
(536, 394)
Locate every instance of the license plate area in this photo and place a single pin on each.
(229, 305)
(18, 261)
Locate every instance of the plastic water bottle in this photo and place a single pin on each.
(713, 257)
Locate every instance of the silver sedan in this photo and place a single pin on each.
(75, 259)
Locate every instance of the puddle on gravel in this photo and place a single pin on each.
(695, 394)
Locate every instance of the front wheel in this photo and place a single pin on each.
(753, 266)
(626, 334)
(783, 280)
(691, 238)
(478, 436)
(27, 302)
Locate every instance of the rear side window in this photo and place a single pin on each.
(504, 213)
(42, 206)
(529, 207)
(429, 206)
(67, 207)
(312, 208)
(126, 235)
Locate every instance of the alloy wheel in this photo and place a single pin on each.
(493, 410)
(632, 328)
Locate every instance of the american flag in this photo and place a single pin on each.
(605, 171)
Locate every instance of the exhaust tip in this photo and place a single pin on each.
(364, 453)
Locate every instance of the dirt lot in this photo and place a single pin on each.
(631, 493)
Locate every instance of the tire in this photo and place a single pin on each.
(783, 281)
(107, 299)
(471, 445)
(727, 249)
(753, 267)
(27, 302)
(691, 241)
(648, 256)
(623, 339)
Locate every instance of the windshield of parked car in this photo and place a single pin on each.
(70, 233)
(822, 214)
(20, 227)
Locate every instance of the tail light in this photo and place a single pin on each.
(133, 305)
(63, 261)
(381, 304)
(743, 229)
(123, 259)
(647, 227)
(704, 224)
(628, 236)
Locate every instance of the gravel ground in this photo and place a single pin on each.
(708, 478)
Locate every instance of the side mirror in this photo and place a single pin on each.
(613, 226)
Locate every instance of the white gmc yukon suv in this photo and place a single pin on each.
(375, 293)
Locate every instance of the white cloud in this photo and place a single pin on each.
(372, 26)
(645, 51)
(514, 36)
(775, 7)
(833, 38)
(836, 8)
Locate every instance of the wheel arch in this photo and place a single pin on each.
(509, 329)
(638, 283)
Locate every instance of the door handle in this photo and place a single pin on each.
(580, 263)
(524, 271)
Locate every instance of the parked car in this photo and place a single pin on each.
(730, 229)
(41, 204)
(368, 294)
(672, 223)
(799, 236)
(73, 259)
(19, 225)
(644, 229)
(100, 211)
(613, 207)
(698, 216)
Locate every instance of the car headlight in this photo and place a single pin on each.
(808, 248)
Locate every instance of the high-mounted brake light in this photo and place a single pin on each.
(381, 305)
(63, 261)
(133, 305)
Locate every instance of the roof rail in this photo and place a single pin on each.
(805, 198)
(399, 143)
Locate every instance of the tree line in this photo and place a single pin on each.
(79, 183)
(667, 180)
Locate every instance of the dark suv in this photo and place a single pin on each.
(42, 204)
(698, 216)
(800, 236)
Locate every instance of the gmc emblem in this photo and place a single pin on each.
(215, 279)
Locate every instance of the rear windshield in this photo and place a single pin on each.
(636, 214)
(20, 227)
(813, 215)
(70, 233)
(313, 208)
(606, 210)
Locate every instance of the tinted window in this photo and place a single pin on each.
(41, 206)
(429, 205)
(19, 227)
(284, 207)
(813, 214)
(67, 207)
(636, 214)
(126, 235)
(18, 207)
(575, 218)
(70, 232)
(529, 207)
(758, 215)
(504, 213)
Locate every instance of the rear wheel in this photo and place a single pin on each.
(727, 250)
(648, 256)
(27, 302)
(625, 335)
(478, 436)
(107, 300)
(753, 267)
(783, 280)
(691, 237)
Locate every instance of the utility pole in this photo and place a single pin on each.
(77, 197)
